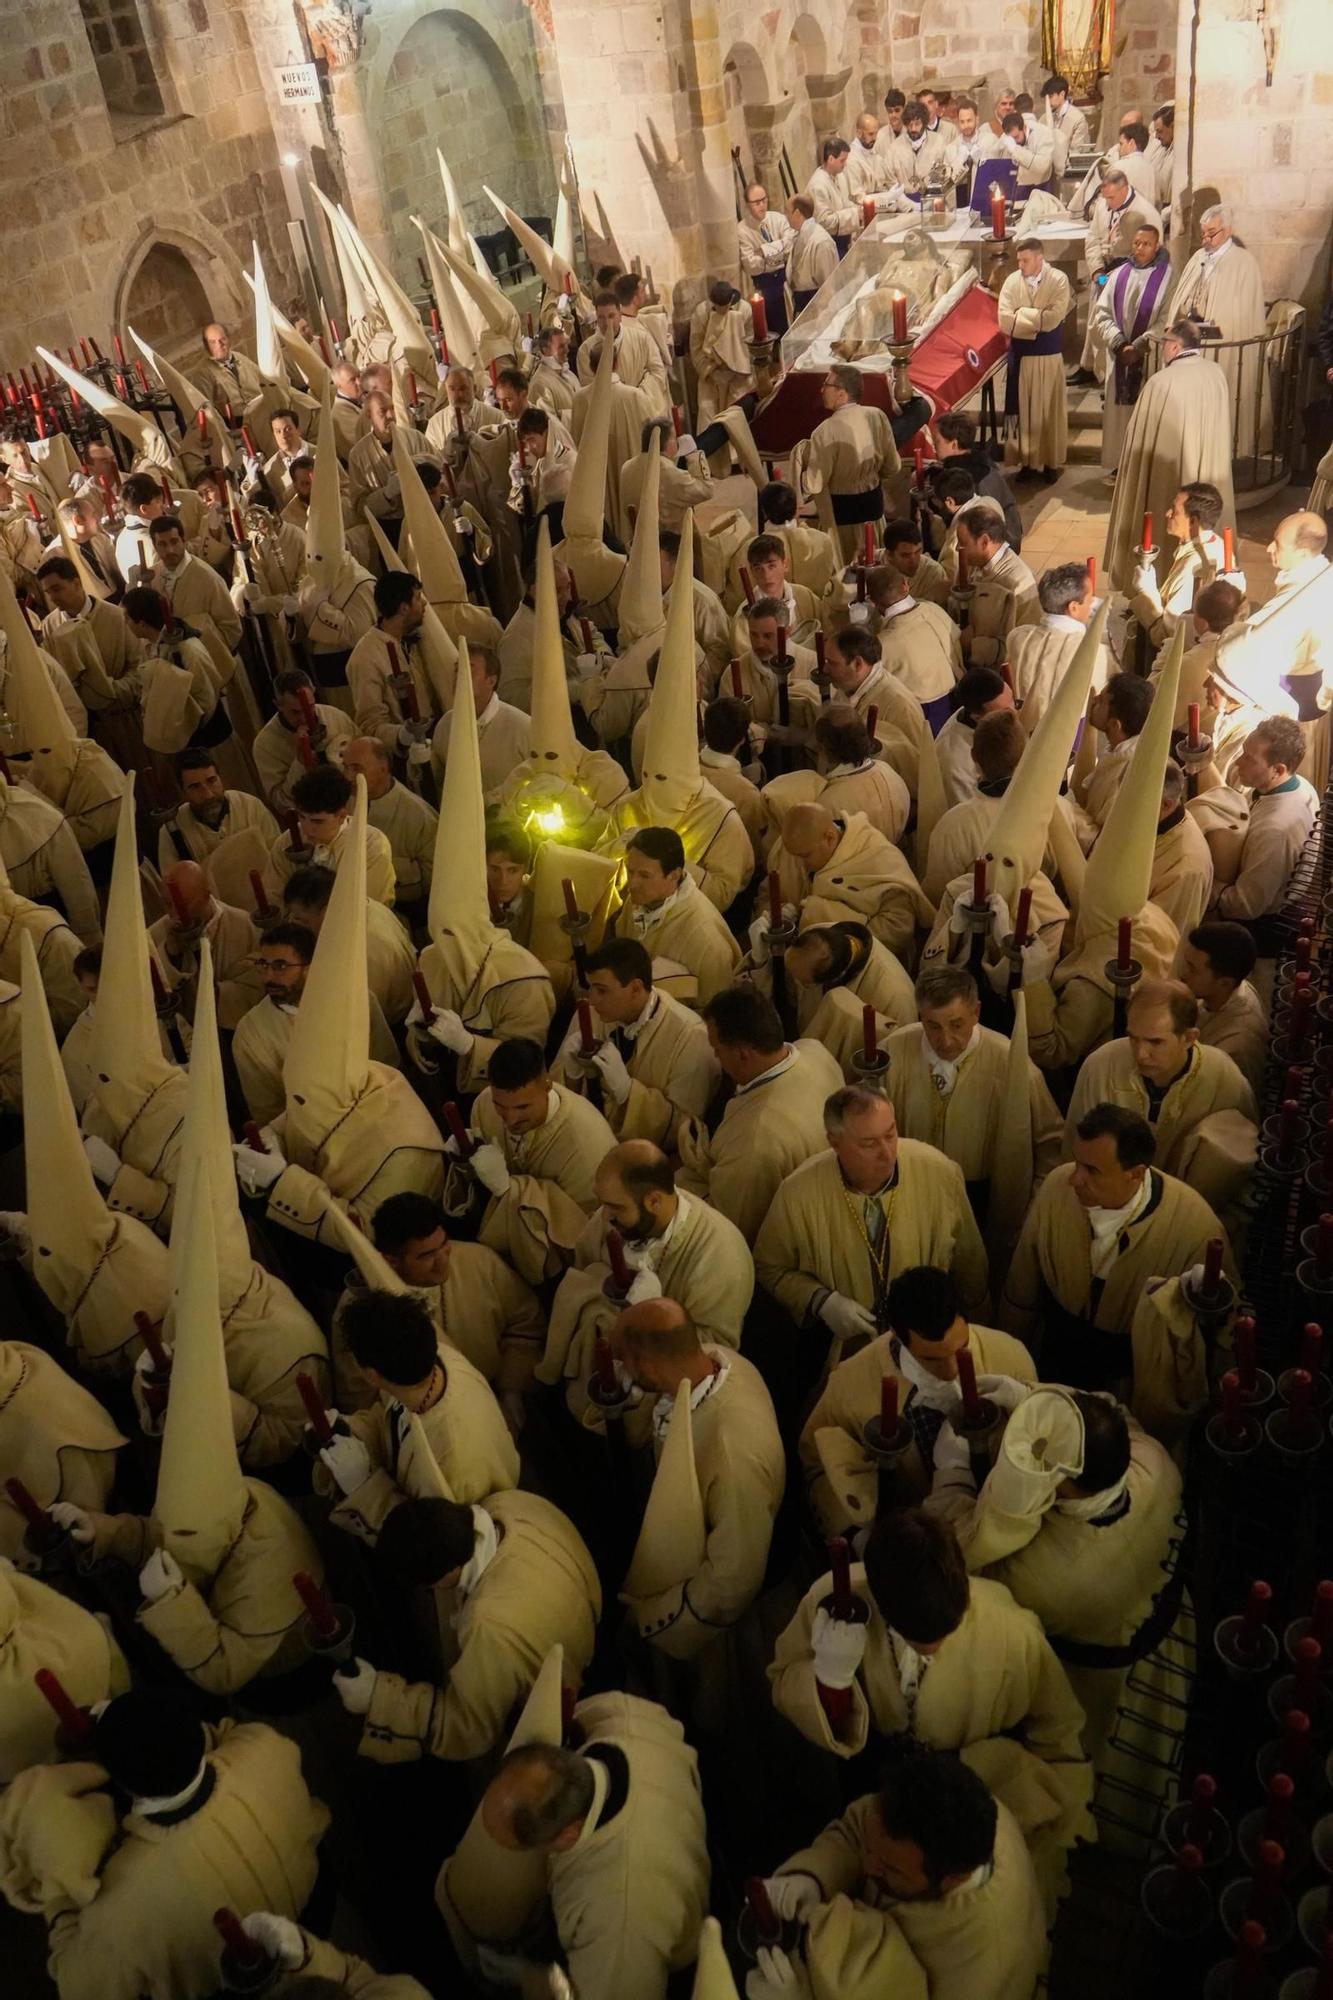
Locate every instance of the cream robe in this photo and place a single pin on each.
(639, 364)
(504, 739)
(689, 933)
(1229, 290)
(1004, 594)
(234, 941)
(1075, 1010)
(1194, 564)
(200, 598)
(964, 1125)
(1039, 656)
(984, 1940)
(994, 1691)
(552, 388)
(1179, 431)
(379, 862)
(390, 963)
(269, 1339)
(1279, 826)
(275, 758)
(1210, 1084)
(705, 1267)
(678, 490)
(377, 709)
(629, 1898)
(74, 644)
(720, 352)
(717, 847)
(539, 1590)
(725, 775)
(228, 852)
(408, 824)
(464, 1431)
(835, 209)
(850, 452)
(539, 1218)
(1288, 635)
(960, 836)
(920, 646)
(835, 1015)
(1052, 1260)
(54, 1436)
(508, 997)
(813, 259)
(148, 1926)
(840, 1475)
(765, 1133)
(1239, 1028)
(740, 1466)
(867, 877)
(1182, 874)
(43, 859)
(483, 1309)
(631, 409)
(326, 1961)
(872, 791)
(57, 948)
(1025, 311)
(673, 1073)
(41, 1628)
(811, 1241)
(245, 1621)
(385, 1143)
(259, 1049)
(911, 163)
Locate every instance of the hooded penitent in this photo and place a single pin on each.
(671, 779)
(328, 1059)
(457, 312)
(596, 569)
(547, 261)
(42, 1630)
(499, 333)
(138, 1091)
(674, 1534)
(40, 725)
(1021, 828)
(439, 655)
(411, 343)
(96, 1268)
(326, 557)
(189, 399)
(641, 613)
(350, 275)
(1119, 870)
(434, 559)
(459, 914)
(150, 447)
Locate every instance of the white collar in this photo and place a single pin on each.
(1060, 621)
(850, 770)
(1107, 1225)
(483, 1552)
(944, 1074)
(1033, 278)
(1091, 1506)
(491, 710)
(644, 920)
(778, 1069)
(648, 1254)
(631, 1030)
(1211, 257)
(663, 1407)
(936, 1395)
(154, 1808)
(719, 760)
(907, 603)
(172, 575)
(601, 1785)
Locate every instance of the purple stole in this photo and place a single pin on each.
(1129, 374)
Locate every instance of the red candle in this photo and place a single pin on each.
(424, 1001)
(604, 1367)
(840, 1561)
(318, 1603)
(1202, 1794)
(254, 1138)
(918, 464)
(888, 1406)
(1252, 1618)
(37, 416)
(263, 907)
(435, 320)
(621, 1275)
(782, 643)
(872, 717)
(248, 441)
(774, 899)
(1288, 1127)
(1323, 1240)
(900, 332)
(33, 508)
(1124, 944)
(1312, 1348)
(453, 1118)
(867, 213)
(324, 349)
(764, 1918)
(236, 1940)
(314, 1408)
(1276, 1819)
(870, 544)
(230, 419)
(819, 653)
(997, 214)
(588, 1041)
(142, 374)
(1092, 574)
(1212, 1265)
(306, 700)
(1251, 1944)
(1023, 918)
(1243, 1343)
(304, 751)
(746, 585)
(203, 424)
(572, 910)
(869, 1033)
(677, 419)
(1228, 549)
(75, 1721)
(86, 352)
(122, 387)
(1233, 1419)
(759, 316)
(119, 347)
(737, 684)
(1299, 1396)
(967, 1382)
(1147, 534)
(1304, 948)
(585, 631)
(333, 329)
(151, 1337)
(33, 1513)
(1305, 1681)
(494, 373)
(1295, 1740)
(1193, 738)
(1267, 1887)
(978, 882)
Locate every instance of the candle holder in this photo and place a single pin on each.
(1272, 1820)
(1258, 1899)
(1314, 1912)
(335, 1643)
(1197, 1822)
(759, 1923)
(1242, 1976)
(1294, 1429)
(1283, 1139)
(1175, 1899)
(900, 353)
(1234, 1432)
(1245, 1643)
(1314, 1272)
(1211, 1297)
(244, 1966)
(1321, 1389)
(903, 1480)
(1287, 1752)
(1303, 1690)
(1318, 1624)
(872, 1071)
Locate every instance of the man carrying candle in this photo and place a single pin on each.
(674, 1247)
(1098, 1230)
(925, 1885)
(1118, 712)
(194, 913)
(1003, 590)
(1077, 1519)
(1178, 435)
(850, 778)
(264, 1032)
(1182, 868)
(1215, 963)
(505, 1581)
(55, 1437)
(324, 799)
(920, 647)
(276, 749)
(665, 912)
(952, 1663)
(39, 1626)
(1037, 655)
(1193, 520)
(835, 971)
(407, 822)
(1283, 809)
(655, 1065)
(845, 862)
(427, 1397)
(852, 455)
(917, 1355)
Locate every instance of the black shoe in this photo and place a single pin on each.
(1049, 474)
(1082, 378)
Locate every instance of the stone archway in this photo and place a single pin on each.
(745, 85)
(465, 81)
(817, 95)
(172, 284)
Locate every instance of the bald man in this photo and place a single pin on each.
(402, 816)
(677, 1246)
(842, 859)
(738, 1465)
(194, 913)
(620, 1825)
(224, 375)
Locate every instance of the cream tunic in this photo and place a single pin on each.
(767, 1130)
(963, 1124)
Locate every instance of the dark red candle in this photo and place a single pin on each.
(840, 1562)
(237, 1942)
(888, 1405)
(254, 1138)
(1305, 1682)
(263, 907)
(747, 585)
(1193, 737)
(737, 685)
(314, 1408)
(32, 1511)
(567, 890)
(1312, 1348)
(621, 1275)
(75, 1721)
(604, 1367)
(1233, 1417)
(587, 1040)
(1253, 1616)
(1243, 1343)
(967, 1382)
(1124, 944)
(774, 899)
(151, 1337)
(318, 1603)
(978, 883)
(869, 1033)
(453, 1118)
(1023, 918)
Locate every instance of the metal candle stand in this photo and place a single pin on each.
(900, 353)
(902, 1478)
(328, 1628)
(245, 1966)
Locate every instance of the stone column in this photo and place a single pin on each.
(714, 174)
(828, 104)
(764, 124)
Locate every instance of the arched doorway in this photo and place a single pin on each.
(450, 86)
(806, 57)
(746, 88)
(165, 301)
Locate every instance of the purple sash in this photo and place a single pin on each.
(1129, 372)
(1040, 343)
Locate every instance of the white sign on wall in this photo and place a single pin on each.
(298, 83)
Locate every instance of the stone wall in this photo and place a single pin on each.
(1266, 147)
(1144, 73)
(93, 192)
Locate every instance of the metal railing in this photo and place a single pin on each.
(1264, 372)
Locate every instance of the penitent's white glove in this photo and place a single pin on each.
(420, 753)
(75, 1522)
(447, 1029)
(488, 1164)
(777, 1975)
(645, 1284)
(839, 1648)
(610, 1067)
(103, 1159)
(354, 1685)
(347, 1461)
(257, 1171)
(792, 1895)
(846, 1318)
(278, 1936)
(160, 1575)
